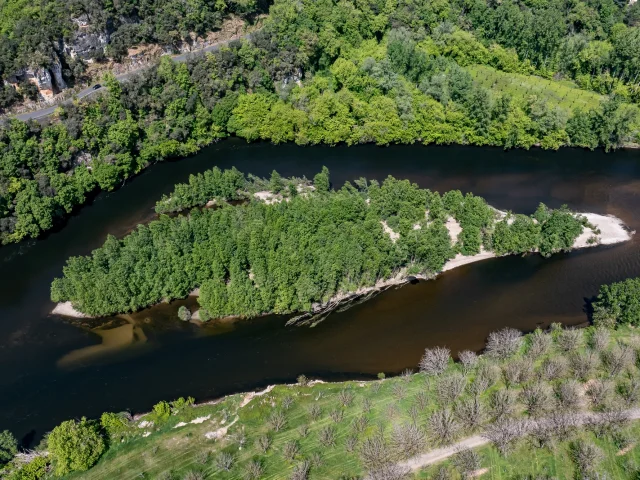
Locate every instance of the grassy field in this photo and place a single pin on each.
(528, 462)
(326, 424)
(564, 94)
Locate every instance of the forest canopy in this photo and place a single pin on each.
(297, 248)
(324, 72)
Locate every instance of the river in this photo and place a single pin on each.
(53, 370)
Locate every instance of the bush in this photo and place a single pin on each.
(161, 412)
(115, 425)
(34, 470)
(184, 314)
(75, 446)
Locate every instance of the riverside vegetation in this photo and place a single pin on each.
(299, 248)
(514, 74)
(553, 404)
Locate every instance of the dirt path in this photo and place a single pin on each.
(439, 454)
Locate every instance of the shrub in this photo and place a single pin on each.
(303, 380)
(75, 446)
(315, 411)
(161, 412)
(193, 475)
(345, 397)
(301, 471)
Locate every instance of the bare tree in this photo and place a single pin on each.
(569, 395)
(583, 364)
(435, 360)
(336, 415)
(502, 403)
(263, 442)
(399, 390)
(389, 471)
(345, 397)
(290, 449)
(597, 391)
(586, 456)
(599, 340)
(467, 461)
(224, 461)
(608, 422)
(303, 430)
(617, 358)
(468, 360)
(253, 470)
(629, 390)
(553, 368)
(537, 398)
(359, 424)
(470, 413)
(504, 433)
(517, 371)
(569, 340)
(422, 400)
(327, 436)
(486, 376)
(563, 424)
(366, 405)
(539, 343)
(407, 440)
(301, 471)
(443, 426)
(277, 420)
(541, 433)
(450, 387)
(287, 402)
(414, 413)
(406, 374)
(375, 452)
(504, 343)
(315, 411)
(442, 473)
(351, 442)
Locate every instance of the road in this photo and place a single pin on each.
(183, 57)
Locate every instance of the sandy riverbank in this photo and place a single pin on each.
(611, 231)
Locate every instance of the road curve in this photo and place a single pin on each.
(183, 57)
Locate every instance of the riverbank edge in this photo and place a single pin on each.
(612, 231)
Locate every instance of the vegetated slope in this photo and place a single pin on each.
(326, 73)
(287, 255)
(565, 94)
(529, 396)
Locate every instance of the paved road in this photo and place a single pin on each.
(183, 57)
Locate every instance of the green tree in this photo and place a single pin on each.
(8, 447)
(75, 446)
(321, 180)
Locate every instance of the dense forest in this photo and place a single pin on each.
(333, 72)
(298, 250)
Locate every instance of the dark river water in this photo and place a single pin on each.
(53, 370)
